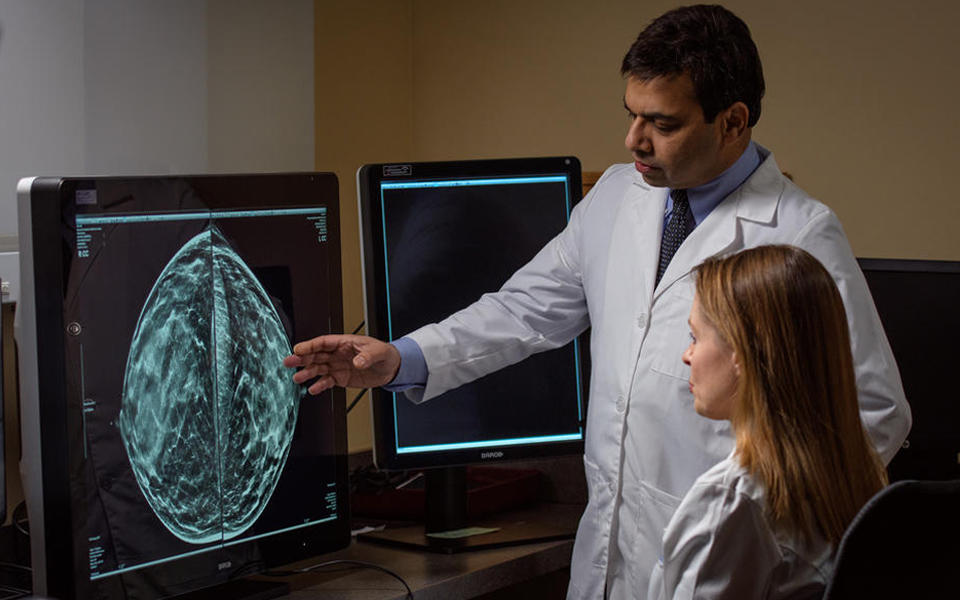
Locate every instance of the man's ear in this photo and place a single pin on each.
(734, 121)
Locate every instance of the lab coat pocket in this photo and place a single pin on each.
(654, 510)
(669, 320)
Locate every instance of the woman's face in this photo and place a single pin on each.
(713, 368)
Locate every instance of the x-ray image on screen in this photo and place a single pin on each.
(194, 435)
(204, 386)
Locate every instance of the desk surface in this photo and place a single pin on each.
(434, 575)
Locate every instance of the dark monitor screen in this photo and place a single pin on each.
(167, 448)
(436, 236)
(917, 301)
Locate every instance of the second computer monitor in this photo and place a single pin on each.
(437, 236)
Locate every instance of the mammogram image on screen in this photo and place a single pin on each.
(207, 411)
(192, 445)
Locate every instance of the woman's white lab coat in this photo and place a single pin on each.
(720, 545)
(645, 445)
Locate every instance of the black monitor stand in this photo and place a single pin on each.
(446, 493)
(446, 499)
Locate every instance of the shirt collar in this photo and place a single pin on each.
(704, 198)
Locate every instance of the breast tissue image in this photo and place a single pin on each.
(208, 412)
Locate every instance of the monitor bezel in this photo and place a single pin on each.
(43, 206)
(927, 453)
(369, 178)
(909, 265)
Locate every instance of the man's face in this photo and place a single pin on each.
(672, 145)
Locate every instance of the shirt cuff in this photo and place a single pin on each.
(413, 367)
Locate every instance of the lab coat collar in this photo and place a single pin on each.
(756, 200)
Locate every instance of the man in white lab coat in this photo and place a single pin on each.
(693, 89)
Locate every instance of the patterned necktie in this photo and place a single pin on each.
(678, 228)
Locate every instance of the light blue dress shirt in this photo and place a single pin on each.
(703, 199)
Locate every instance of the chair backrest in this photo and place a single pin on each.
(904, 543)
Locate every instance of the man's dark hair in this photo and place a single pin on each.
(709, 43)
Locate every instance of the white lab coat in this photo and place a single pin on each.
(645, 445)
(720, 545)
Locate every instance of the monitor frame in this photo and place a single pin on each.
(369, 179)
(930, 450)
(47, 417)
(909, 265)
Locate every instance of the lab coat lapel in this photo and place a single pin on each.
(715, 235)
(642, 225)
(756, 200)
(631, 269)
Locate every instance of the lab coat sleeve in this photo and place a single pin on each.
(542, 306)
(717, 546)
(883, 405)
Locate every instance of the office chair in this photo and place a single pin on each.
(904, 543)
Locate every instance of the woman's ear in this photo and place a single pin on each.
(736, 364)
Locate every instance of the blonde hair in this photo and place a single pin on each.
(796, 419)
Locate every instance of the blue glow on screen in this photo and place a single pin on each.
(539, 179)
(564, 437)
(104, 219)
(94, 576)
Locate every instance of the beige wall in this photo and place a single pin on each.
(363, 90)
(260, 101)
(861, 106)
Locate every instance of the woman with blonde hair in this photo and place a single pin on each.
(770, 352)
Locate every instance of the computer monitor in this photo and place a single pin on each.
(917, 302)
(437, 236)
(165, 448)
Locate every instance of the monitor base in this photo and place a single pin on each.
(523, 527)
